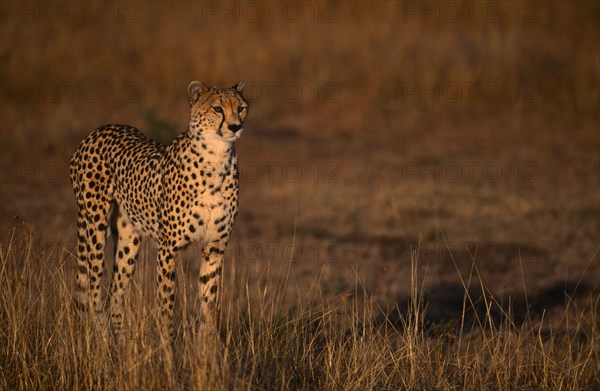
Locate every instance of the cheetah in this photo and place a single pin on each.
(177, 194)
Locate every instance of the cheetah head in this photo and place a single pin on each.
(217, 112)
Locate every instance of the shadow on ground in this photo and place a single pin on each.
(449, 308)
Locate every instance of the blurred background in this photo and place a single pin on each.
(466, 130)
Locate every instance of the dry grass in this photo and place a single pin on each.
(506, 288)
(338, 343)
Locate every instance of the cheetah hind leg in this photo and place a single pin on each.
(93, 227)
(127, 245)
(82, 298)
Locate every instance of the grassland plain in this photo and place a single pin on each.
(420, 205)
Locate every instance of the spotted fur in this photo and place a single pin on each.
(176, 194)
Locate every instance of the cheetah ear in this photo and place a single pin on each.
(195, 89)
(239, 87)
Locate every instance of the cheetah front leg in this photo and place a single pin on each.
(165, 277)
(210, 278)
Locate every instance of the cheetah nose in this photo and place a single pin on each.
(234, 127)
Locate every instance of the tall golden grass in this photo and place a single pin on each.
(337, 343)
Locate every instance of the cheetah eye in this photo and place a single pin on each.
(241, 109)
(218, 109)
